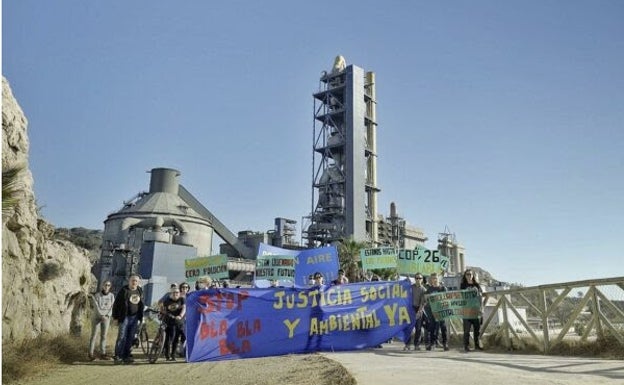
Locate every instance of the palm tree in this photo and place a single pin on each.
(11, 186)
(349, 256)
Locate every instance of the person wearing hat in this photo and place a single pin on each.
(167, 294)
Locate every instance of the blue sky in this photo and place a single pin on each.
(503, 121)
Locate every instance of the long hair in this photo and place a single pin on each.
(464, 281)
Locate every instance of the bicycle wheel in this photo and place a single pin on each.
(157, 346)
(144, 339)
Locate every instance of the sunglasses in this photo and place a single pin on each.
(418, 277)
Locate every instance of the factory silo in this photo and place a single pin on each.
(152, 234)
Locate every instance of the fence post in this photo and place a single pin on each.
(596, 311)
(545, 321)
(506, 323)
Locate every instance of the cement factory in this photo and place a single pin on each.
(155, 231)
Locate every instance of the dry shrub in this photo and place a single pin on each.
(34, 356)
(606, 346)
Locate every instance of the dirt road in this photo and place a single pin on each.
(392, 365)
(389, 365)
(310, 369)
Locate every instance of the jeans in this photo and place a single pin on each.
(127, 328)
(101, 323)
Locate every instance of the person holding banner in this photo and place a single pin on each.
(318, 279)
(342, 278)
(418, 303)
(435, 287)
(204, 282)
(469, 281)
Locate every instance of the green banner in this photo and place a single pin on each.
(379, 258)
(455, 304)
(275, 267)
(214, 266)
(421, 260)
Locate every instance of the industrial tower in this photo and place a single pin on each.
(344, 165)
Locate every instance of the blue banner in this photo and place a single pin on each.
(307, 262)
(223, 324)
(323, 260)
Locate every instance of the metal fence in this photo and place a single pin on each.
(549, 314)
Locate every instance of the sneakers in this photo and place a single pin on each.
(446, 348)
(406, 347)
(478, 347)
(105, 357)
(428, 347)
(117, 360)
(466, 349)
(128, 361)
(91, 357)
(416, 347)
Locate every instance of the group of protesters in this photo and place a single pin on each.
(127, 308)
(434, 330)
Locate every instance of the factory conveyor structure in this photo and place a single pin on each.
(218, 227)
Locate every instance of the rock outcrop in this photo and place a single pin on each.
(45, 282)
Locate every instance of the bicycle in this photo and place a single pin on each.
(158, 343)
(141, 338)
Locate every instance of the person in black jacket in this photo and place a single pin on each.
(127, 311)
(469, 281)
(435, 287)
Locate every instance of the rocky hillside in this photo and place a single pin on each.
(45, 282)
(483, 275)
